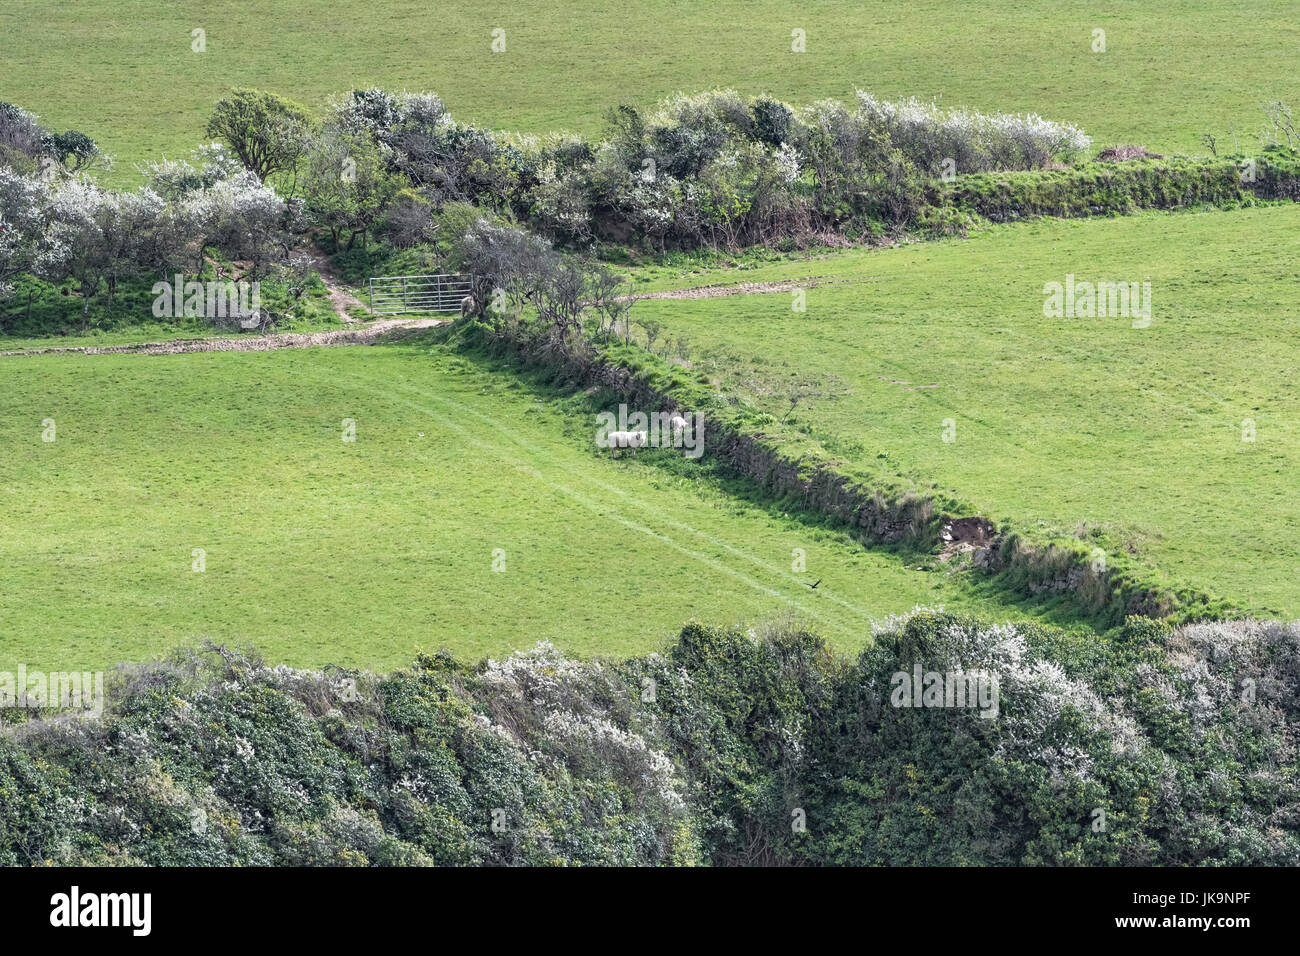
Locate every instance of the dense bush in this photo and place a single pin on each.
(1101, 189)
(28, 146)
(973, 142)
(576, 302)
(717, 170)
(721, 170)
(347, 187)
(1151, 745)
(69, 230)
(218, 759)
(714, 169)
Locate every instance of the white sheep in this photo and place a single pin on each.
(626, 440)
(678, 424)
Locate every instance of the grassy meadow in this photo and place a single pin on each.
(124, 71)
(317, 550)
(362, 553)
(1134, 435)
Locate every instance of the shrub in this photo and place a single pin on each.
(21, 134)
(1107, 188)
(1152, 745)
(974, 142)
(409, 220)
(347, 186)
(773, 121)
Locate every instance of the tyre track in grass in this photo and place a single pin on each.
(367, 335)
(646, 510)
(642, 506)
(506, 453)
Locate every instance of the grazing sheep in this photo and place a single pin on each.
(626, 440)
(687, 434)
(466, 306)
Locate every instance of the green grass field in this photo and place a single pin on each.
(1057, 421)
(124, 71)
(364, 553)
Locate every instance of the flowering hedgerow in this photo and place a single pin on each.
(1150, 744)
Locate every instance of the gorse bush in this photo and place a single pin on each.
(1154, 745)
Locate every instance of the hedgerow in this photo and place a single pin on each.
(713, 170)
(1150, 745)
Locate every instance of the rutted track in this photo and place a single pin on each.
(366, 335)
(721, 290)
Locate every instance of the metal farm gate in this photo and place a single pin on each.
(390, 295)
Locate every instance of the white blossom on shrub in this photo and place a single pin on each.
(557, 707)
(976, 142)
(23, 238)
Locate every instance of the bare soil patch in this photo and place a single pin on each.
(960, 535)
(749, 288)
(366, 335)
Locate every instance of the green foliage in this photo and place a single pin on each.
(1101, 188)
(41, 309)
(75, 151)
(266, 131)
(773, 121)
(217, 759)
(1112, 188)
(1153, 746)
(347, 186)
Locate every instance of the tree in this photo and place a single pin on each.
(452, 162)
(22, 226)
(104, 235)
(373, 111)
(267, 132)
(773, 121)
(249, 221)
(347, 187)
(410, 220)
(207, 165)
(74, 151)
(21, 135)
(607, 296)
(209, 207)
(1281, 124)
(506, 258)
